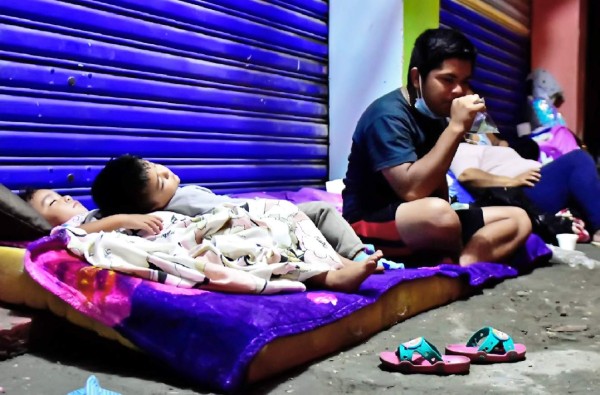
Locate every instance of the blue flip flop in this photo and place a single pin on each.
(420, 356)
(92, 387)
(384, 263)
(496, 347)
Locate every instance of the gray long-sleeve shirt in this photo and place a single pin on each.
(195, 200)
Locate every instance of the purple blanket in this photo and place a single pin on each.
(301, 196)
(212, 337)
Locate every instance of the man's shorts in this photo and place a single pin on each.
(471, 220)
(379, 228)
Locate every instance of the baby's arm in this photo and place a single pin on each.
(145, 222)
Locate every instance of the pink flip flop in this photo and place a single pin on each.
(496, 348)
(420, 356)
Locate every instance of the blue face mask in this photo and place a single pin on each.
(421, 106)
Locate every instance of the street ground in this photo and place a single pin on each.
(554, 311)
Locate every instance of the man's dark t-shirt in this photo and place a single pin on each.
(389, 133)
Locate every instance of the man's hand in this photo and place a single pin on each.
(463, 111)
(527, 179)
(145, 222)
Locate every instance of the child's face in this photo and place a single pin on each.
(56, 209)
(162, 184)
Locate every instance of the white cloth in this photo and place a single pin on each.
(264, 246)
(497, 160)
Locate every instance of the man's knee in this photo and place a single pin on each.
(497, 213)
(436, 216)
(522, 220)
(430, 224)
(440, 215)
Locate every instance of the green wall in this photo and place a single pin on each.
(419, 15)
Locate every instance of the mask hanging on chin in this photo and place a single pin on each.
(421, 106)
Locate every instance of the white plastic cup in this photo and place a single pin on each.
(567, 241)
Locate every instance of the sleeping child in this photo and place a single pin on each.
(129, 184)
(64, 210)
(261, 246)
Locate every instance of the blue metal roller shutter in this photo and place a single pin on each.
(230, 94)
(503, 62)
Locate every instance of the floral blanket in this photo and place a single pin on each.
(264, 246)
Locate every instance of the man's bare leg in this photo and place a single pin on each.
(348, 278)
(506, 229)
(430, 225)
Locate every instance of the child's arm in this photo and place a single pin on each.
(148, 223)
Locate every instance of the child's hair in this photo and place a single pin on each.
(121, 187)
(434, 46)
(27, 194)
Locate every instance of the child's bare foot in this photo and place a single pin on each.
(361, 262)
(348, 278)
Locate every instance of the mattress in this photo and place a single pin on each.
(223, 342)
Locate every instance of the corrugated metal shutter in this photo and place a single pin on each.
(504, 55)
(230, 94)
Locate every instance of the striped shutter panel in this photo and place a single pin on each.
(503, 42)
(229, 94)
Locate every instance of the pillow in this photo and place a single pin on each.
(18, 220)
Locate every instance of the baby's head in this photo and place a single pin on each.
(130, 185)
(56, 209)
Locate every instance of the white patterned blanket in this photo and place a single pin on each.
(264, 246)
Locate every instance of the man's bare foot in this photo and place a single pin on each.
(350, 277)
(597, 236)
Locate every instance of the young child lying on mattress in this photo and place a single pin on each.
(64, 210)
(129, 184)
(262, 246)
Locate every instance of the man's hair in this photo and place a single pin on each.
(27, 194)
(121, 187)
(434, 46)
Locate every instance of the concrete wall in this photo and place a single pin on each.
(365, 61)
(558, 45)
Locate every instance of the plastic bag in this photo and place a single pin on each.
(572, 258)
(483, 124)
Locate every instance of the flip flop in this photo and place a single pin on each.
(420, 356)
(496, 348)
(92, 387)
(383, 263)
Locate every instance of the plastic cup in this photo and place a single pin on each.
(567, 241)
